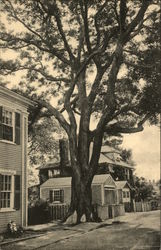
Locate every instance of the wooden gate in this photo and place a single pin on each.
(58, 211)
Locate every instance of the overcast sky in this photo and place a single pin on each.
(146, 151)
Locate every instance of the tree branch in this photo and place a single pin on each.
(136, 20)
(122, 19)
(67, 106)
(84, 12)
(43, 73)
(11, 39)
(61, 31)
(56, 114)
(96, 23)
(115, 129)
(15, 16)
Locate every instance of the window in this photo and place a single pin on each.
(6, 191)
(53, 172)
(9, 125)
(127, 174)
(124, 194)
(128, 195)
(9, 192)
(57, 195)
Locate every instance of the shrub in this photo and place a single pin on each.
(13, 230)
(38, 213)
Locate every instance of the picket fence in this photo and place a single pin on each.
(142, 206)
(58, 211)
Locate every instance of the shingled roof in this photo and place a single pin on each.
(122, 184)
(108, 155)
(66, 181)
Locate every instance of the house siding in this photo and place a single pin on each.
(44, 193)
(10, 156)
(96, 194)
(10, 160)
(14, 158)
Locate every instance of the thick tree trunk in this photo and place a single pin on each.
(81, 198)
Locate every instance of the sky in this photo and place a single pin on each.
(145, 148)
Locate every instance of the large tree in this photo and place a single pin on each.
(86, 59)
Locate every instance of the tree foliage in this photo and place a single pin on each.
(143, 189)
(86, 59)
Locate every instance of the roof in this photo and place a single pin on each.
(107, 149)
(49, 165)
(122, 184)
(104, 158)
(108, 155)
(15, 96)
(66, 181)
(116, 161)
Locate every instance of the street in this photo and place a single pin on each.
(132, 231)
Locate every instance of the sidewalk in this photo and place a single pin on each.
(54, 232)
(58, 233)
(51, 233)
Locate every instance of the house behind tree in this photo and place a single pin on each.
(110, 163)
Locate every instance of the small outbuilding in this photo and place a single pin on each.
(124, 194)
(104, 194)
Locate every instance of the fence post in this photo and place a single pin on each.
(134, 205)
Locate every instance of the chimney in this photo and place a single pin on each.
(64, 152)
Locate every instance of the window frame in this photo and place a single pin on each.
(16, 129)
(127, 175)
(4, 108)
(56, 195)
(53, 172)
(61, 195)
(11, 207)
(127, 194)
(124, 194)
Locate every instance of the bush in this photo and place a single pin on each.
(38, 213)
(13, 230)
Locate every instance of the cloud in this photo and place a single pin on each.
(145, 148)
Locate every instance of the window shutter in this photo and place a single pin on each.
(0, 189)
(17, 128)
(62, 195)
(51, 195)
(1, 127)
(17, 192)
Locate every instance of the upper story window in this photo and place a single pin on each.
(9, 125)
(127, 176)
(53, 172)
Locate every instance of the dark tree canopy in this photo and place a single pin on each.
(143, 189)
(86, 59)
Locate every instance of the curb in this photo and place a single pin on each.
(20, 239)
(103, 224)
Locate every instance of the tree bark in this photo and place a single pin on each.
(81, 200)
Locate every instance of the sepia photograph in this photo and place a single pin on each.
(80, 105)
